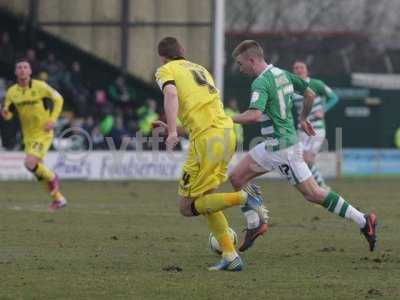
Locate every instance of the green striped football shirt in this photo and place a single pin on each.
(271, 93)
(322, 92)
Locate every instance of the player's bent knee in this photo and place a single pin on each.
(185, 212)
(236, 181)
(185, 207)
(30, 165)
(31, 162)
(309, 158)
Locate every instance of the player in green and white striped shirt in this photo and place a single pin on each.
(271, 105)
(325, 100)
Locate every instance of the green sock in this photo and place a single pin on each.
(337, 205)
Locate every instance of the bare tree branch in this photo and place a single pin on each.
(378, 19)
(319, 14)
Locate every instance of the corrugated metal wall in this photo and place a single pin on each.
(189, 20)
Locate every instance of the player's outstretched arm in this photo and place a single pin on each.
(309, 97)
(6, 109)
(181, 131)
(250, 116)
(58, 101)
(5, 114)
(331, 99)
(171, 106)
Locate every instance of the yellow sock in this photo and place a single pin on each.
(212, 203)
(42, 172)
(218, 225)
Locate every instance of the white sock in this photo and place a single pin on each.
(252, 218)
(337, 205)
(356, 216)
(229, 256)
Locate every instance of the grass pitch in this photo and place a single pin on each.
(126, 240)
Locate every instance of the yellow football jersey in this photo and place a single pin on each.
(200, 106)
(33, 106)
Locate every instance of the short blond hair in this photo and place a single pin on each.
(249, 48)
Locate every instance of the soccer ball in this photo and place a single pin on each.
(214, 245)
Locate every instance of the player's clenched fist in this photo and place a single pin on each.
(172, 141)
(307, 127)
(162, 125)
(49, 126)
(6, 115)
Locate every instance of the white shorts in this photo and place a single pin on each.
(312, 143)
(289, 162)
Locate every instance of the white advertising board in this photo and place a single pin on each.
(121, 165)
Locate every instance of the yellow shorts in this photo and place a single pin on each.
(39, 146)
(206, 166)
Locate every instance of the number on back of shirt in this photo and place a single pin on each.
(284, 91)
(201, 79)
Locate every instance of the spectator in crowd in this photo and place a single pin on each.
(41, 50)
(6, 48)
(33, 61)
(97, 104)
(88, 124)
(73, 79)
(232, 110)
(118, 132)
(106, 117)
(20, 39)
(3, 88)
(10, 139)
(43, 76)
(79, 140)
(8, 129)
(100, 97)
(147, 114)
(131, 127)
(101, 112)
(74, 85)
(91, 127)
(397, 138)
(55, 69)
(107, 124)
(98, 141)
(130, 115)
(120, 93)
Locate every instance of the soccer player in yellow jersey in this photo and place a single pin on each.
(190, 95)
(38, 106)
